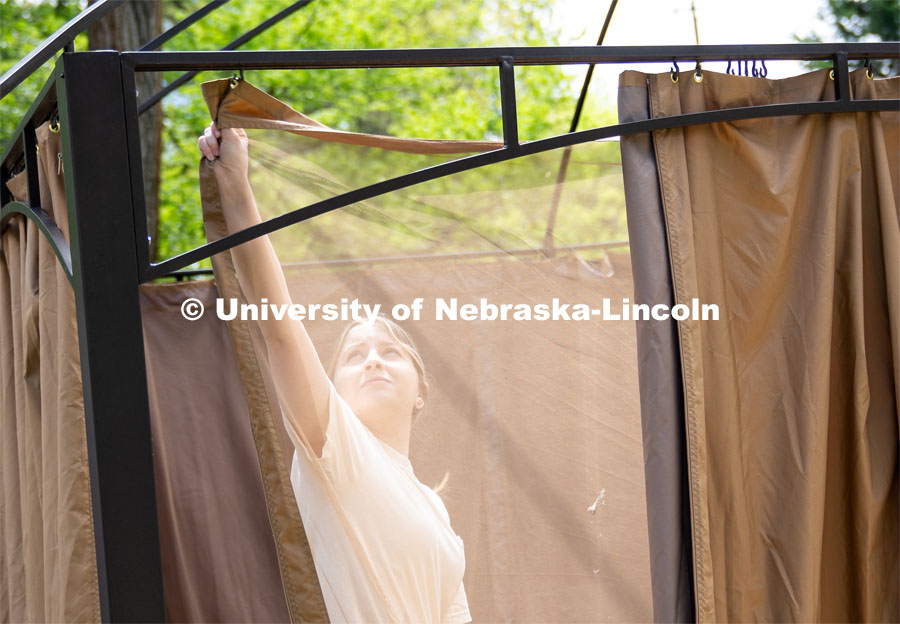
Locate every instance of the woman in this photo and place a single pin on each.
(381, 540)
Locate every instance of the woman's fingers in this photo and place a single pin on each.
(208, 142)
(204, 149)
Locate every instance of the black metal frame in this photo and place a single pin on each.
(98, 112)
(505, 59)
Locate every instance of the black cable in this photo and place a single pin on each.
(564, 165)
(590, 72)
(233, 45)
(182, 25)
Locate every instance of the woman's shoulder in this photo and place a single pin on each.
(350, 449)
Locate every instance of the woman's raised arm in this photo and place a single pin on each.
(297, 371)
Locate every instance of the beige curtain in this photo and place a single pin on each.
(48, 568)
(790, 225)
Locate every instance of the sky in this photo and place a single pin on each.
(669, 22)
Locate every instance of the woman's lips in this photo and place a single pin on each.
(375, 380)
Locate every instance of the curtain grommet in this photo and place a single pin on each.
(698, 77)
(54, 127)
(870, 74)
(831, 75)
(233, 83)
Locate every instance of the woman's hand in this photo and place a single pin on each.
(228, 148)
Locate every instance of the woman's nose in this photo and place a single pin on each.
(374, 362)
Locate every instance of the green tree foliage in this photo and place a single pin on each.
(863, 20)
(23, 26)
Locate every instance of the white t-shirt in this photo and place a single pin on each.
(381, 540)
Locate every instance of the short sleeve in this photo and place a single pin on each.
(349, 445)
(458, 613)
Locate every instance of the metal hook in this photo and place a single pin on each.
(673, 73)
(235, 79)
(764, 71)
(755, 72)
(698, 73)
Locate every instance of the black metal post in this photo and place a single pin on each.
(105, 279)
(508, 103)
(29, 140)
(138, 202)
(841, 77)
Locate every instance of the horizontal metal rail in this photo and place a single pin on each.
(54, 43)
(47, 226)
(503, 154)
(484, 57)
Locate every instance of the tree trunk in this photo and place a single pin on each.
(129, 27)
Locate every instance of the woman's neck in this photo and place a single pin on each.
(390, 430)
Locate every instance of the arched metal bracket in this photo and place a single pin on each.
(47, 226)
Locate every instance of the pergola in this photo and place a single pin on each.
(92, 95)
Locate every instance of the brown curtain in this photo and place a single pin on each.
(48, 567)
(790, 225)
(662, 399)
(218, 556)
(537, 423)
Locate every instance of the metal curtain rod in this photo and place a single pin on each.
(236, 43)
(490, 57)
(54, 43)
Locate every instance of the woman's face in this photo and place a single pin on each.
(375, 375)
